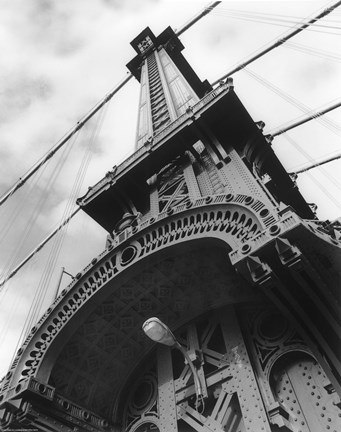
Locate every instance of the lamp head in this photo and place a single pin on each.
(157, 331)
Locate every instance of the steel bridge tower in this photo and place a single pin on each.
(207, 232)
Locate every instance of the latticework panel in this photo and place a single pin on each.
(107, 345)
(173, 189)
(231, 401)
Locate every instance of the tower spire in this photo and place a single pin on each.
(168, 84)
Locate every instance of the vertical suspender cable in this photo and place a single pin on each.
(67, 137)
(280, 41)
(37, 249)
(92, 112)
(63, 141)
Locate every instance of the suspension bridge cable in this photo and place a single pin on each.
(317, 164)
(38, 206)
(92, 112)
(310, 158)
(37, 249)
(195, 19)
(328, 55)
(272, 19)
(45, 279)
(64, 140)
(13, 305)
(278, 42)
(315, 114)
(325, 190)
(310, 116)
(332, 126)
(320, 185)
(14, 214)
(269, 15)
(59, 240)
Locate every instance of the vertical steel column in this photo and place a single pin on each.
(244, 381)
(167, 404)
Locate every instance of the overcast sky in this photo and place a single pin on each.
(58, 58)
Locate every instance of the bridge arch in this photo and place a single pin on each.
(169, 240)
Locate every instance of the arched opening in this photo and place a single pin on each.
(300, 385)
(177, 285)
(164, 386)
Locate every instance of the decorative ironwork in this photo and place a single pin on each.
(299, 385)
(173, 189)
(232, 399)
(158, 137)
(145, 44)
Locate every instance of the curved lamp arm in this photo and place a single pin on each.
(157, 331)
(197, 383)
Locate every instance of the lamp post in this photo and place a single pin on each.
(157, 331)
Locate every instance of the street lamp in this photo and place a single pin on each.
(157, 331)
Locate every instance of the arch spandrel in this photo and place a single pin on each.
(178, 269)
(229, 224)
(104, 350)
(222, 217)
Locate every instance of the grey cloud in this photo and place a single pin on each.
(52, 28)
(90, 140)
(312, 73)
(129, 4)
(218, 33)
(19, 91)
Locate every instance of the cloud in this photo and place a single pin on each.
(61, 57)
(312, 73)
(50, 25)
(19, 91)
(130, 5)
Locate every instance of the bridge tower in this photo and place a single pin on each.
(207, 232)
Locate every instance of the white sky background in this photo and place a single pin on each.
(58, 58)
